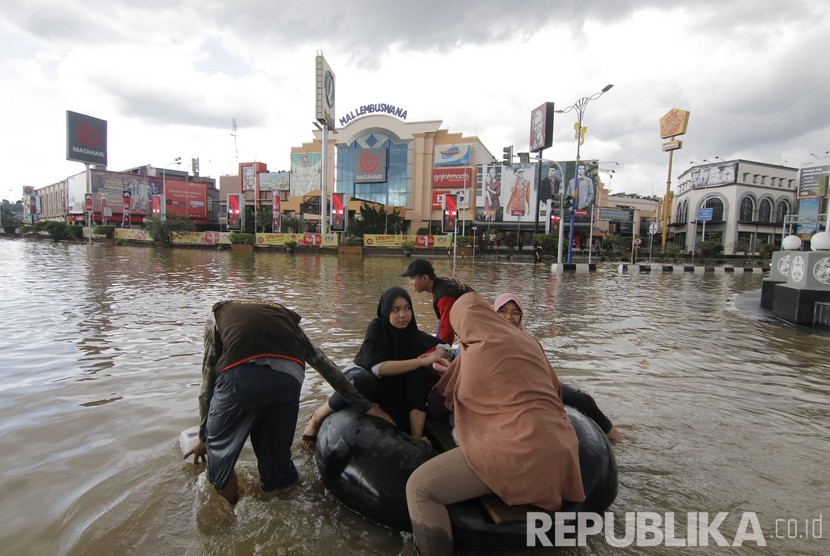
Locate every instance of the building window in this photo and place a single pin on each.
(717, 209)
(746, 210)
(764, 211)
(755, 178)
(781, 212)
(746, 177)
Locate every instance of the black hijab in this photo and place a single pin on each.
(384, 342)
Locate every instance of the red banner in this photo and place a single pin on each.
(125, 210)
(88, 202)
(452, 177)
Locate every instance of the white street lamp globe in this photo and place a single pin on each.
(791, 243)
(820, 241)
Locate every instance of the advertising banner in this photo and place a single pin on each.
(541, 127)
(125, 210)
(488, 191)
(452, 177)
(88, 205)
(158, 205)
(452, 155)
(808, 180)
(186, 198)
(715, 174)
(370, 165)
(338, 210)
(378, 240)
(306, 173)
(438, 199)
(308, 240)
(86, 139)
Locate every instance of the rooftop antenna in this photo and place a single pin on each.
(235, 146)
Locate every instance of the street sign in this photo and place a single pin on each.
(652, 228)
(637, 241)
(704, 214)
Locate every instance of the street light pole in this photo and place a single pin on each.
(579, 106)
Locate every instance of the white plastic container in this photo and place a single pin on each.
(189, 439)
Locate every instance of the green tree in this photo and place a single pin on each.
(742, 245)
(711, 247)
(162, 230)
(289, 225)
(264, 220)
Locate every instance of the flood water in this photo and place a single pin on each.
(100, 369)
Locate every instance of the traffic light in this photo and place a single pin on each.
(450, 213)
(508, 155)
(554, 221)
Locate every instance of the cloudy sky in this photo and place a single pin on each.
(170, 76)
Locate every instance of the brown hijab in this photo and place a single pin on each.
(510, 422)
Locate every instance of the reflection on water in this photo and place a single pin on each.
(100, 372)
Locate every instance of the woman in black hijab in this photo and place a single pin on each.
(390, 367)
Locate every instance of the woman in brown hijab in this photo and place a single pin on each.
(515, 438)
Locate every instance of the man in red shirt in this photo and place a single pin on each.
(444, 293)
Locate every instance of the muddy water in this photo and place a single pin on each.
(99, 373)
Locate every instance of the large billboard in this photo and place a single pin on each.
(541, 127)
(808, 180)
(325, 92)
(714, 174)
(509, 193)
(306, 172)
(186, 198)
(86, 139)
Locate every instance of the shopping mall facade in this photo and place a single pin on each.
(394, 164)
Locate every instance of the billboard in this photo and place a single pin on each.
(715, 174)
(808, 179)
(306, 172)
(452, 177)
(370, 165)
(452, 155)
(541, 127)
(338, 212)
(186, 198)
(673, 123)
(325, 92)
(86, 139)
(509, 193)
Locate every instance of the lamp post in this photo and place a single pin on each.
(474, 242)
(579, 106)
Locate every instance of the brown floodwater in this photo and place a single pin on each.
(722, 411)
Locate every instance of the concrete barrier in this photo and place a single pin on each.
(625, 267)
(573, 267)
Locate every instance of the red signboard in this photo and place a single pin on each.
(438, 199)
(186, 198)
(452, 177)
